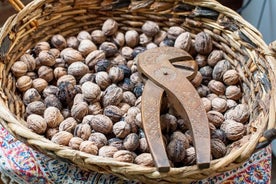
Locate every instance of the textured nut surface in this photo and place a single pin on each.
(70, 55)
(19, 68)
(219, 104)
(121, 129)
(89, 147)
(144, 159)
(218, 148)
(109, 27)
(183, 41)
(220, 68)
(107, 151)
(216, 87)
(103, 80)
(78, 69)
(214, 57)
(62, 138)
(86, 46)
(29, 60)
(83, 131)
(131, 38)
(83, 35)
(206, 103)
(39, 84)
(24, 83)
(72, 42)
(36, 123)
(101, 123)
(124, 156)
(45, 73)
(31, 95)
(98, 138)
(177, 135)
(75, 142)
(53, 117)
(68, 125)
(176, 150)
(233, 130)
(113, 112)
(36, 107)
(113, 95)
(231, 77)
(98, 36)
(190, 158)
(215, 117)
(174, 31)
(58, 41)
(233, 92)
(47, 58)
(90, 91)
(203, 43)
(150, 28)
(131, 142)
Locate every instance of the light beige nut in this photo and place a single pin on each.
(220, 68)
(98, 36)
(62, 138)
(214, 57)
(93, 57)
(231, 103)
(101, 123)
(233, 130)
(183, 41)
(231, 77)
(233, 92)
(83, 131)
(31, 95)
(50, 132)
(47, 58)
(46, 73)
(59, 72)
(150, 28)
(67, 78)
(121, 129)
(116, 74)
(109, 27)
(143, 145)
(219, 104)
(113, 112)
(131, 38)
(29, 60)
(103, 80)
(95, 108)
(218, 148)
(82, 35)
(36, 107)
(113, 95)
(144, 39)
(107, 151)
(73, 42)
(144, 159)
(203, 43)
(190, 158)
(215, 117)
(41, 46)
(70, 55)
(131, 142)
(53, 117)
(89, 147)
(40, 84)
(216, 87)
(90, 91)
(109, 48)
(197, 80)
(75, 142)
(174, 31)
(206, 103)
(19, 68)
(68, 124)
(58, 41)
(36, 123)
(159, 37)
(99, 139)
(124, 156)
(86, 46)
(79, 110)
(24, 83)
(78, 69)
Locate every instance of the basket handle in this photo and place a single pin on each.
(18, 6)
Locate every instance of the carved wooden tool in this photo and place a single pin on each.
(156, 65)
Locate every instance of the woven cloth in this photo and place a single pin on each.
(21, 164)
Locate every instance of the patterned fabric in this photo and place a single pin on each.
(25, 165)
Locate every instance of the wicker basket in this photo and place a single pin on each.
(241, 42)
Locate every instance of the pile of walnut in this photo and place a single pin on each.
(85, 92)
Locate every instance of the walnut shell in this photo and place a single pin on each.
(131, 142)
(36, 107)
(113, 112)
(79, 110)
(201, 60)
(206, 103)
(39, 84)
(113, 95)
(233, 92)
(70, 55)
(47, 58)
(19, 68)
(62, 138)
(214, 57)
(215, 117)
(86, 46)
(83, 35)
(121, 129)
(41, 46)
(109, 48)
(116, 142)
(68, 125)
(150, 28)
(183, 41)
(75, 142)
(90, 91)
(83, 131)
(29, 60)
(143, 145)
(93, 57)
(95, 108)
(52, 101)
(46, 73)
(116, 74)
(177, 135)
(216, 87)
(144, 159)
(78, 69)
(124, 156)
(89, 147)
(219, 104)
(131, 38)
(73, 42)
(31, 95)
(98, 138)
(36, 123)
(233, 130)
(220, 68)
(53, 117)
(176, 150)
(174, 31)
(98, 36)
(103, 80)
(159, 37)
(50, 132)
(203, 43)
(109, 27)
(107, 151)
(101, 123)
(218, 148)
(24, 83)
(231, 77)
(58, 41)
(190, 158)
(144, 39)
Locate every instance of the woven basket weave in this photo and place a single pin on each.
(241, 42)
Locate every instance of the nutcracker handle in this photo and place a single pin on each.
(18, 6)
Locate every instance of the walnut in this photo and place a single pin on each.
(46, 58)
(143, 145)
(19, 68)
(113, 112)
(40, 84)
(116, 74)
(83, 35)
(177, 135)
(98, 36)
(183, 41)
(243, 113)
(159, 37)
(31, 95)
(59, 72)
(109, 48)
(124, 156)
(86, 46)
(113, 95)
(151, 46)
(201, 60)
(59, 63)
(103, 80)
(116, 142)
(53, 117)
(66, 93)
(203, 43)
(36, 123)
(73, 42)
(41, 46)
(68, 124)
(206, 73)
(127, 52)
(197, 80)
(233, 130)
(95, 108)
(216, 87)
(176, 150)
(214, 57)
(87, 77)
(131, 142)
(45, 73)
(109, 27)
(121, 129)
(233, 92)
(168, 123)
(83, 131)
(138, 120)
(29, 61)
(33, 75)
(70, 55)
(231, 103)
(150, 28)
(136, 78)
(220, 68)
(53, 101)
(144, 39)
(212, 96)
(98, 138)
(36, 107)
(218, 148)
(79, 110)
(231, 77)
(144, 159)
(78, 69)
(102, 65)
(94, 57)
(24, 83)
(75, 142)
(101, 123)
(219, 134)
(129, 98)
(50, 132)
(206, 103)
(62, 138)
(90, 91)
(190, 158)
(203, 90)
(50, 90)
(131, 38)
(89, 147)
(174, 31)
(58, 41)
(124, 107)
(215, 117)
(219, 104)
(107, 151)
